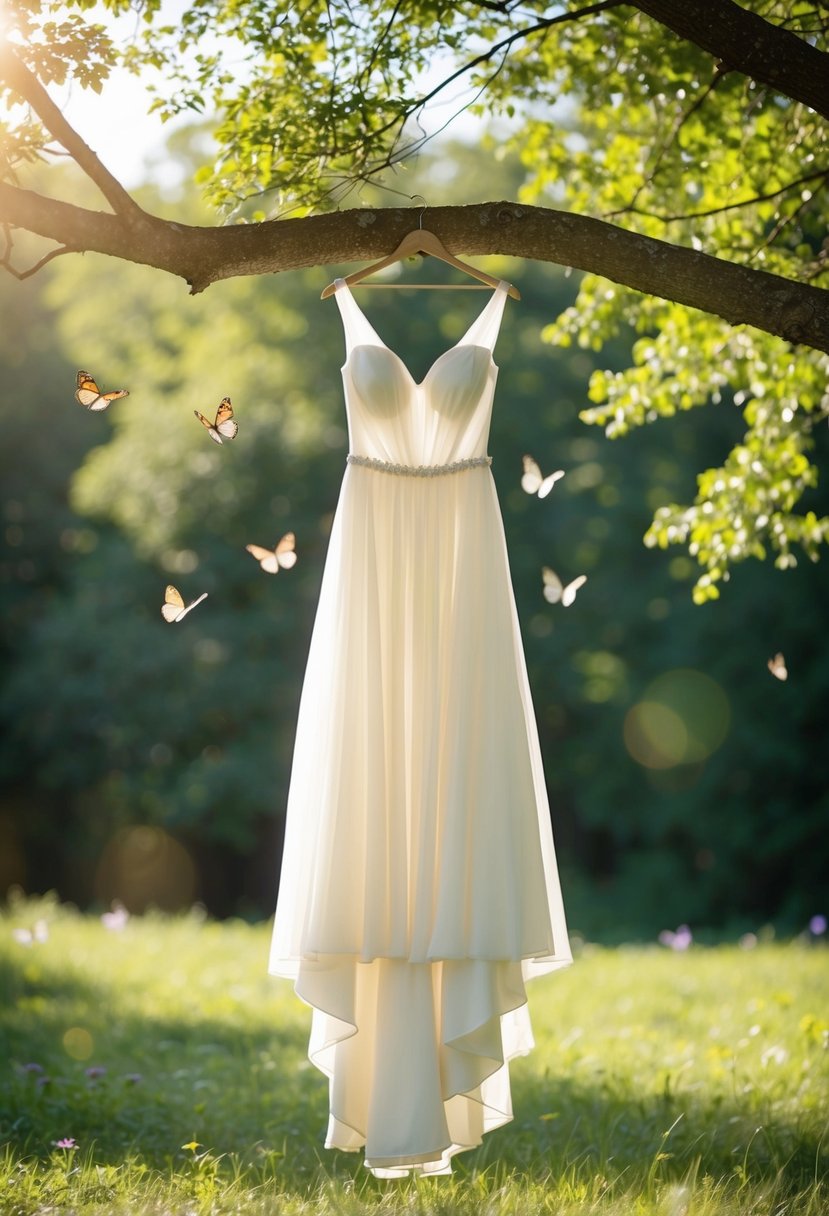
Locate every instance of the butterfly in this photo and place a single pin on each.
(87, 393)
(27, 937)
(777, 667)
(532, 481)
(224, 426)
(173, 609)
(271, 559)
(555, 591)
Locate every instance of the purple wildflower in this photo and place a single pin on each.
(95, 1071)
(32, 1067)
(680, 940)
(132, 1078)
(116, 918)
(66, 1142)
(818, 925)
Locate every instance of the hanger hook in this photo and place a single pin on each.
(422, 209)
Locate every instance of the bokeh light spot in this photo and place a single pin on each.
(655, 735)
(683, 718)
(78, 1043)
(143, 865)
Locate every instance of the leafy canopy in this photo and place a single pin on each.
(613, 115)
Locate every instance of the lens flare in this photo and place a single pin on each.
(143, 865)
(683, 717)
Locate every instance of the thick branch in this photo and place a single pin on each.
(18, 77)
(797, 312)
(747, 43)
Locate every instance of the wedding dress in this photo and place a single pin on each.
(419, 887)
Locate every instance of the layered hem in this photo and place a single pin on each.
(417, 1054)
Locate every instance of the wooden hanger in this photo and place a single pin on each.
(420, 240)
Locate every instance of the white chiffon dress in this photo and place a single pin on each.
(419, 887)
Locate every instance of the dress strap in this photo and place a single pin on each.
(484, 329)
(358, 330)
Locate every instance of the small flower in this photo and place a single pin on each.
(31, 1067)
(116, 918)
(95, 1071)
(818, 925)
(66, 1142)
(192, 1146)
(132, 1078)
(43, 1080)
(680, 940)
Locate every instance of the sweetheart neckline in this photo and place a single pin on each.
(342, 285)
(418, 383)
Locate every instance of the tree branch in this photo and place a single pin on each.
(22, 82)
(747, 43)
(819, 174)
(797, 312)
(20, 275)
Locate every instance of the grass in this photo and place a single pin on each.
(663, 1084)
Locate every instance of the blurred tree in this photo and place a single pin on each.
(697, 126)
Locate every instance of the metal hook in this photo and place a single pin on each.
(423, 208)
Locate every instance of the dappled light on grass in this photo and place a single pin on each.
(663, 1082)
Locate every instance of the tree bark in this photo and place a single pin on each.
(747, 43)
(201, 256)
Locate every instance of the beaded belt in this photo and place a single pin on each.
(419, 470)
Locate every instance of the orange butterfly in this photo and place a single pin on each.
(555, 591)
(88, 394)
(224, 426)
(272, 559)
(173, 609)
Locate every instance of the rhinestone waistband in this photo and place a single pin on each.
(419, 470)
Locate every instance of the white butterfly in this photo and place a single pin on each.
(555, 591)
(283, 555)
(777, 667)
(533, 482)
(27, 937)
(173, 609)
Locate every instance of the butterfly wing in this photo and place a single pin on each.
(225, 424)
(87, 391)
(209, 427)
(267, 558)
(568, 593)
(777, 667)
(173, 604)
(286, 551)
(190, 607)
(548, 483)
(532, 476)
(553, 585)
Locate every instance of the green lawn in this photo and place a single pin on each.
(663, 1083)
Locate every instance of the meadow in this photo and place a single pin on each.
(154, 1067)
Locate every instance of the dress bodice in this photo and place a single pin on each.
(442, 418)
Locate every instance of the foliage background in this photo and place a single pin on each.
(150, 763)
